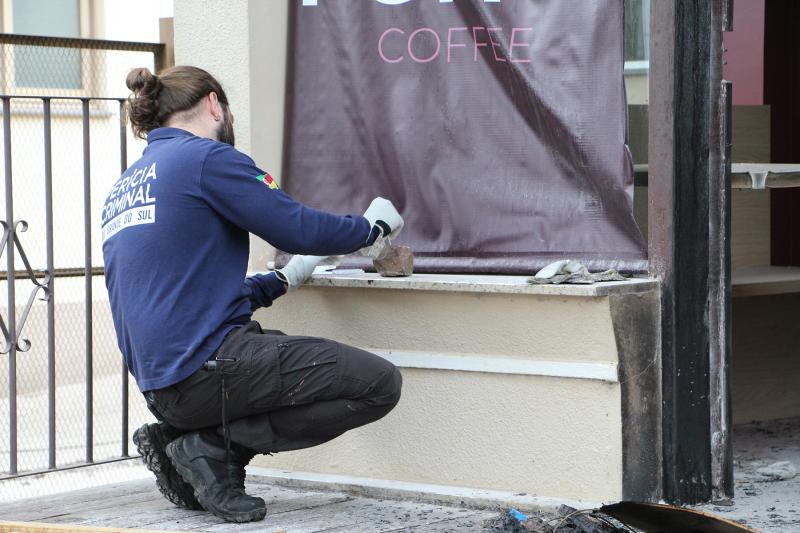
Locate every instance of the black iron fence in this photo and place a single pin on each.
(64, 142)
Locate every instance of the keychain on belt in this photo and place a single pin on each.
(218, 365)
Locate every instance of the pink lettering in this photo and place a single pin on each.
(450, 44)
(477, 44)
(380, 45)
(495, 44)
(513, 43)
(411, 41)
(430, 47)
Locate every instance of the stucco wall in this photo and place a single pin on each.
(214, 35)
(469, 323)
(544, 435)
(538, 435)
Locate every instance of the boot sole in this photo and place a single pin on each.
(187, 474)
(151, 444)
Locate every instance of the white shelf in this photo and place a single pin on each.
(765, 280)
(748, 175)
(764, 176)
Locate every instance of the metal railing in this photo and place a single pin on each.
(44, 280)
(158, 51)
(11, 244)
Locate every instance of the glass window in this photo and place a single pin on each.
(637, 30)
(46, 67)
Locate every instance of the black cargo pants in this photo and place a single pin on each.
(283, 392)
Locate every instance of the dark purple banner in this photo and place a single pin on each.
(496, 127)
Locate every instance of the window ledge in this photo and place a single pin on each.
(481, 284)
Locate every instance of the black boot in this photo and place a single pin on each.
(151, 441)
(199, 458)
(240, 458)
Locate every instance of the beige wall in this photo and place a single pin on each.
(539, 435)
(469, 323)
(545, 435)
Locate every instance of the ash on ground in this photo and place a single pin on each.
(766, 494)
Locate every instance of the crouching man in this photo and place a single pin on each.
(176, 243)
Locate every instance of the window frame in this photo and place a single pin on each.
(87, 13)
(641, 66)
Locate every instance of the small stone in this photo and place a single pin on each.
(395, 261)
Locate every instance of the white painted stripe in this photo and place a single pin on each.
(134, 216)
(501, 365)
(391, 489)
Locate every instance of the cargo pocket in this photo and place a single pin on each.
(308, 370)
(261, 362)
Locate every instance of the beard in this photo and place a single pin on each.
(225, 129)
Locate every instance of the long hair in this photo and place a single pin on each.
(156, 98)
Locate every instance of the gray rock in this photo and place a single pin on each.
(395, 261)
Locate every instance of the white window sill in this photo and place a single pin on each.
(482, 284)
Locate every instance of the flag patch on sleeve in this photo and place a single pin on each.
(267, 180)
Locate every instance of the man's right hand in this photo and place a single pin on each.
(298, 270)
(382, 213)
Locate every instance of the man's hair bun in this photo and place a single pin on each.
(143, 103)
(142, 80)
(156, 98)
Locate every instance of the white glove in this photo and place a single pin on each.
(298, 270)
(381, 212)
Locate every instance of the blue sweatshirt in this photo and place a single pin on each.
(176, 247)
